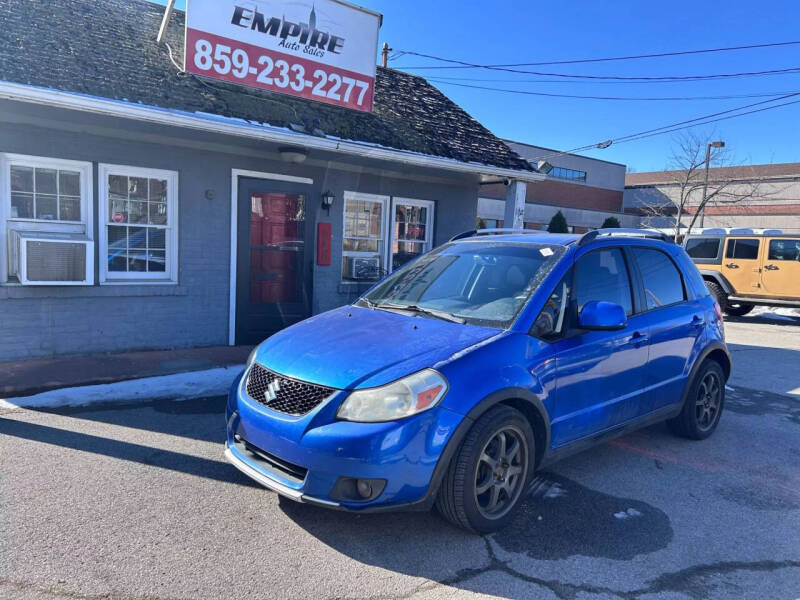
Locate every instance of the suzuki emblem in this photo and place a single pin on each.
(272, 390)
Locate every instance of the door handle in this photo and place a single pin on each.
(732, 266)
(636, 340)
(771, 268)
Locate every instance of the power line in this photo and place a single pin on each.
(703, 120)
(749, 112)
(614, 58)
(628, 98)
(612, 77)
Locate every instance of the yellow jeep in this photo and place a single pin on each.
(743, 269)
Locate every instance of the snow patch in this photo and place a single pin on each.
(181, 386)
(628, 514)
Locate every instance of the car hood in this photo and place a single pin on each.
(352, 347)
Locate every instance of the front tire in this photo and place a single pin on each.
(485, 482)
(704, 403)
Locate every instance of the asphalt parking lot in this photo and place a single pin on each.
(137, 503)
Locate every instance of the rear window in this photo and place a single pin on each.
(662, 281)
(743, 249)
(700, 248)
(787, 249)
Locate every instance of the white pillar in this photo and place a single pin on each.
(514, 217)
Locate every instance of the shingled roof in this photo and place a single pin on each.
(107, 48)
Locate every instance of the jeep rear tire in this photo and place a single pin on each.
(739, 309)
(487, 478)
(718, 294)
(703, 405)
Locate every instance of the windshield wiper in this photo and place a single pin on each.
(439, 314)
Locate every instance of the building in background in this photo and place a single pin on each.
(586, 190)
(143, 208)
(754, 196)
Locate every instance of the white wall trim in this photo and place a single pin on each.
(235, 175)
(223, 125)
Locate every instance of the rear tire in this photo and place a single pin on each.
(718, 294)
(703, 405)
(486, 480)
(738, 309)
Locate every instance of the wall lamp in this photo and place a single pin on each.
(327, 200)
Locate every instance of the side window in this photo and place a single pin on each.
(742, 249)
(552, 320)
(662, 281)
(602, 276)
(700, 248)
(784, 249)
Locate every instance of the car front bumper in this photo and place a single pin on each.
(319, 450)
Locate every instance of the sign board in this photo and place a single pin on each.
(322, 50)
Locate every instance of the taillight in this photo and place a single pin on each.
(718, 310)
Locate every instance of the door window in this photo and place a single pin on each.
(742, 249)
(662, 281)
(277, 241)
(784, 249)
(602, 276)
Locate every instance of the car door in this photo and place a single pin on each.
(600, 375)
(780, 275)
(676, 320)
(741, 265)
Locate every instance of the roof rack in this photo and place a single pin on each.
(623, 232)
(498, 231)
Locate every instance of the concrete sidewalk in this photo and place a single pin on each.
(26, 378)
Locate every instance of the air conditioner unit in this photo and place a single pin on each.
(51, 258)
(363, 268)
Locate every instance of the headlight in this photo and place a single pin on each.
(252, 358)
(402, 398)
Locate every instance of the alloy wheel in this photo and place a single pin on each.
(709, 399)
(500, 472)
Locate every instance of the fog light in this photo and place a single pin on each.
(350, 489)
(364, 488)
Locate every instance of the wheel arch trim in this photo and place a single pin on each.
(718, 278)
(502, 396)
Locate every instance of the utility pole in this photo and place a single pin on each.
(718, 144)
(385, 54)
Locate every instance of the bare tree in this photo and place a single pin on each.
(686, 181)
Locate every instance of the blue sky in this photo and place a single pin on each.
(516, 31)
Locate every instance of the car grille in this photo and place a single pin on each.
(282, 394)
(271, 463)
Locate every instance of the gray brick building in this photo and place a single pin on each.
(141, 207)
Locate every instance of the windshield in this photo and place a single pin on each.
(481, 283)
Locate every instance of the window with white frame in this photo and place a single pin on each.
(412, 229)
(44, 196)
(382, 233)
(139, 225)
(364, 236)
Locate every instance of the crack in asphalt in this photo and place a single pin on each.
(55, 590)
(687, 581)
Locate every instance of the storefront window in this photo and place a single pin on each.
(412, 233)
(364, 237)
(44, 194)
(138, 209)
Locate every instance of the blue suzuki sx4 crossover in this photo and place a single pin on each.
(450, 381)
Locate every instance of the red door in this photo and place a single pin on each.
(271, 282)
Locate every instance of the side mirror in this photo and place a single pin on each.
(603, 316)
